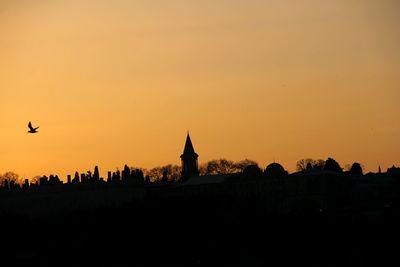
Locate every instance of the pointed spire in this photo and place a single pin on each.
(379, 169)
(188, 150)
(189, 160)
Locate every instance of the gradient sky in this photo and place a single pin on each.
(115, 82)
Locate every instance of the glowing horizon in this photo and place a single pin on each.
(120, 82)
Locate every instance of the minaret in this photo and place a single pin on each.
(189, 160)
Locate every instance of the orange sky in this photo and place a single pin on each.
(115, 82)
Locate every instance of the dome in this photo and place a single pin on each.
(275, 170)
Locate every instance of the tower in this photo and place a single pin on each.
(189, 160)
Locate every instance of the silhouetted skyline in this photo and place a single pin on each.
(189, 167)
(120, 82)
(292, 157)
(218, 209)
(181, 174)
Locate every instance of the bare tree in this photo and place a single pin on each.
(218, 166)
(155, 174)
(11, 177)
(308, 163)
(168, 172)
(302, 164)
(319, 164)
(173, 172)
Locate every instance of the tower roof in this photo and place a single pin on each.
(188, 150)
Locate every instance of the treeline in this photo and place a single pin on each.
(224, 166)
(330, 164)
(167, 173)
(171, 173)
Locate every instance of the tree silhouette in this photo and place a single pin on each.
(96, 175)
(302, 164)
(173, 172)
(35, 180)
(164, 178)
(332, 165)
(54, 180)
(305, 164)
(356, 169)
(10, 177)
(243, 164)
(76, 178)
(252, 171)
(218, 166)
(319, 164)
(126, 173)
(138, 175)
(224, 166)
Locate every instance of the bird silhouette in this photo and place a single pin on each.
(31, 129)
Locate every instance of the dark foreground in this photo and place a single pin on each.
(200, 232)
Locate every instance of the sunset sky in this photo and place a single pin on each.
(122, 81)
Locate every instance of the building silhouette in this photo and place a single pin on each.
(313, 189)
(190, 166)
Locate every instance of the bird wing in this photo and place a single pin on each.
(30, 126)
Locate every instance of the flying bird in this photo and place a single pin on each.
(31, 129)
